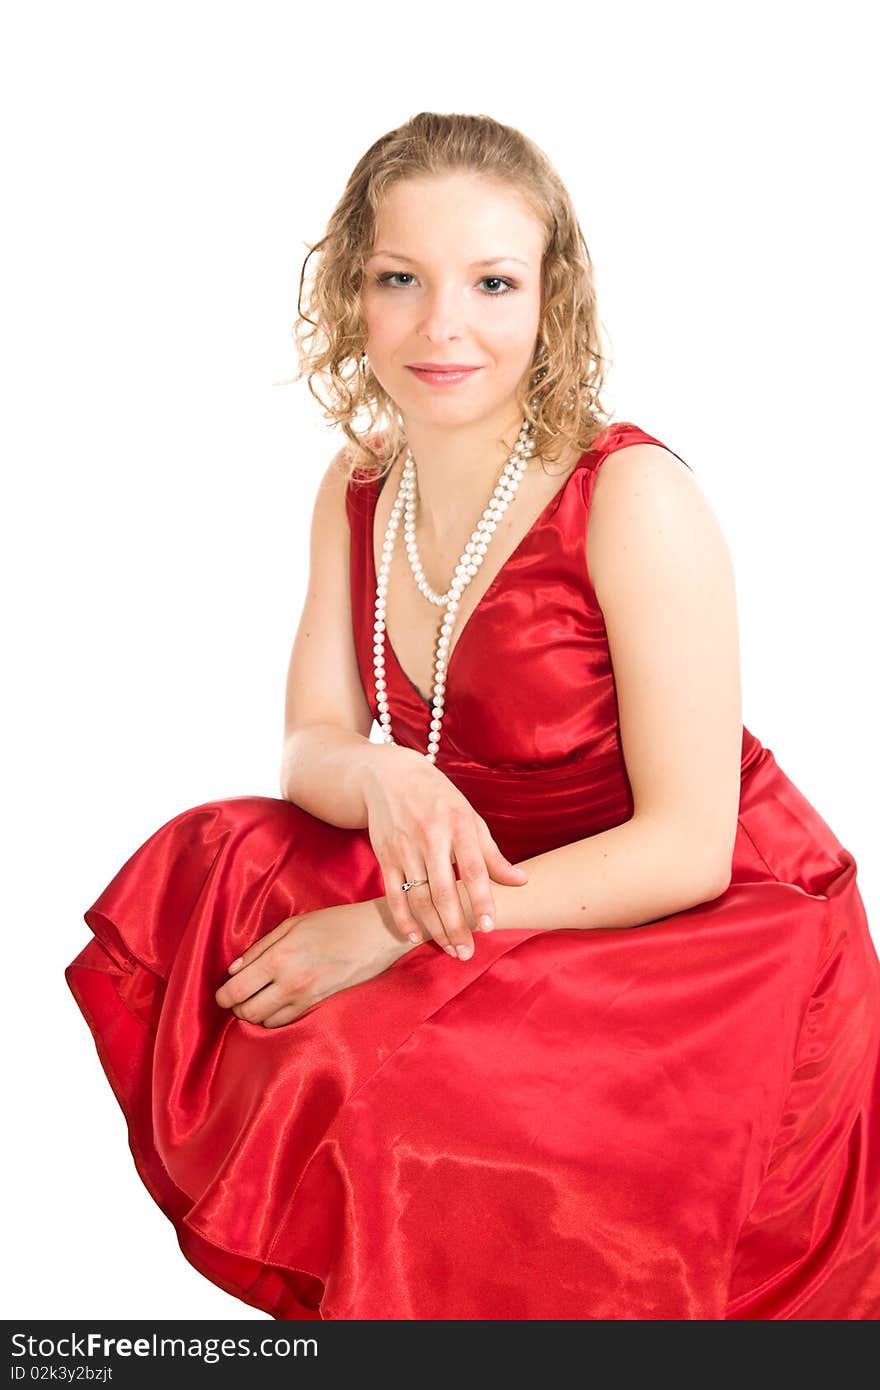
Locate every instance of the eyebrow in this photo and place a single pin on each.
(490, 260)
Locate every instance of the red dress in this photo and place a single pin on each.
(675, 1121)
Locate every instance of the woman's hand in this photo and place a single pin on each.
(306, 958)
(419, 824)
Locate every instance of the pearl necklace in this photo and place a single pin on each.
(468, 565)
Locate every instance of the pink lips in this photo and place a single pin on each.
(446, 375)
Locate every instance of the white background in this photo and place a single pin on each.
(164, 166)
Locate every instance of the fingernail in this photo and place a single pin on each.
(414, 936)
(485, 922)
(236, 963)
(464, 952)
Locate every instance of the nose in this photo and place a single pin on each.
(442, 317)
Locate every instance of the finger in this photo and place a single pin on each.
(282, 1017)
(499, 866)
(447, 900)
(423, 907)
(244, 983)
(291, 1012)
(431, 923)
(403, 911)
(475, 877)
(261, 1005)
(436, 926)
(506, 871)
(254, 951)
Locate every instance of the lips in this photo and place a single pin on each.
(447, 375)
(442, 366)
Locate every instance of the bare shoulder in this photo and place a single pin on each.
(637, 466)
(330, 512)
(648, 511)
(336, 475)
(334, 485)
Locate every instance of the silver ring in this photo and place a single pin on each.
(412, 883)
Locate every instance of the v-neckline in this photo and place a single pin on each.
(555, 499)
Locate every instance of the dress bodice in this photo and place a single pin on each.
(531, 734)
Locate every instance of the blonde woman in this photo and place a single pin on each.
(557, 999)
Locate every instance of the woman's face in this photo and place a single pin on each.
(454, 278)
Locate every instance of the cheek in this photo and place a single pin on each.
(385, 322)
(513, 344)
(513, 328)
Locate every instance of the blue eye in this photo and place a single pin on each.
(490, 294)
(501, 281)
(386, 279)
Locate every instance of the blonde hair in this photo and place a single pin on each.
(560, 395)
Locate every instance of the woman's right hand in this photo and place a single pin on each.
(419, 823)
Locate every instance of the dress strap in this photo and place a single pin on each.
(621, 434)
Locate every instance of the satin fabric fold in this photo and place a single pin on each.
(675, 1121)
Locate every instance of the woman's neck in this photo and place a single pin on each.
(457, 471)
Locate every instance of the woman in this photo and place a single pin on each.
(643, 1084)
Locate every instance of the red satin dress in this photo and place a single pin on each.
(675, 1121)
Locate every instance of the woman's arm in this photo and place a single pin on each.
(323, 770)
(634, 873)
(327, 721)
(663, 578)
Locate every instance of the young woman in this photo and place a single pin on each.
(557, 1000)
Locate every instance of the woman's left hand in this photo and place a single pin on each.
(306, 958)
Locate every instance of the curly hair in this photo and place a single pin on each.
(560, 395)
